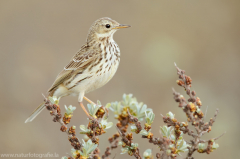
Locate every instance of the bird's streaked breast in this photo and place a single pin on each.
(101, 71)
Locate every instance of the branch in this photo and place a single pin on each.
(55, 111)
(113, 144)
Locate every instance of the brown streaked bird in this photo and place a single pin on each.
(92, 66)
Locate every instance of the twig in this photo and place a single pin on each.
(205, 115)
(56, 112)
(113, 144)
(214, 139)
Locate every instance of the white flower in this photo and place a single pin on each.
(215, 146)
(116, 107)
(139, 110)
(147, 154)
(133, 128)
(124, 150)
(120, 143)
(127, 148)
(53, 100)
(168, 152)
(182, 146)
(149, 117)
(128, 100)
(170, 115)
(75, 152)
(99, 103)
(70, 109)
(108, 105)
(144, 132)
(93, 109)
(134, 145)
(201, 146)
(166, 131)
(198, 110)
(86, 138)
(84, 129)
(105, 124)
(88, 147)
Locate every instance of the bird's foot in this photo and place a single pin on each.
(88, 100)
(84, 109)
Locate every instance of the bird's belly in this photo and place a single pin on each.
(101, 78)
(95, 80)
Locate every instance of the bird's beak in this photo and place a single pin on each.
(122, 26)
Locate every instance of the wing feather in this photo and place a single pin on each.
(77, 65)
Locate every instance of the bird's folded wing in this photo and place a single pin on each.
(76, 66)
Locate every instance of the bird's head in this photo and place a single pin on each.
(103, 28)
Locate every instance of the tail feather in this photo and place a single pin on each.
(35, 113)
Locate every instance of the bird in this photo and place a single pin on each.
(91, 67)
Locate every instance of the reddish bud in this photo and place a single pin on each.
(63, 128)
(193, 93)
(180, 82)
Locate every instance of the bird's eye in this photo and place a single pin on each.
(107, 25)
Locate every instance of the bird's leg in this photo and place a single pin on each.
(84, 109)
(88, 100)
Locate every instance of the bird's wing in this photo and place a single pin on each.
(77, 65)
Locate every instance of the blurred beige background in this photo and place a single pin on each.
(38, 38)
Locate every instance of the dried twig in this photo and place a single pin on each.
(55, 111)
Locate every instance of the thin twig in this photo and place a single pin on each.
(204, 141)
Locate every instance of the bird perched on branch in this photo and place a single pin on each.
(92, 66)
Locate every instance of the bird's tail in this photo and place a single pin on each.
(35, 112)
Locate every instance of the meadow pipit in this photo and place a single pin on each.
(92, 66)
